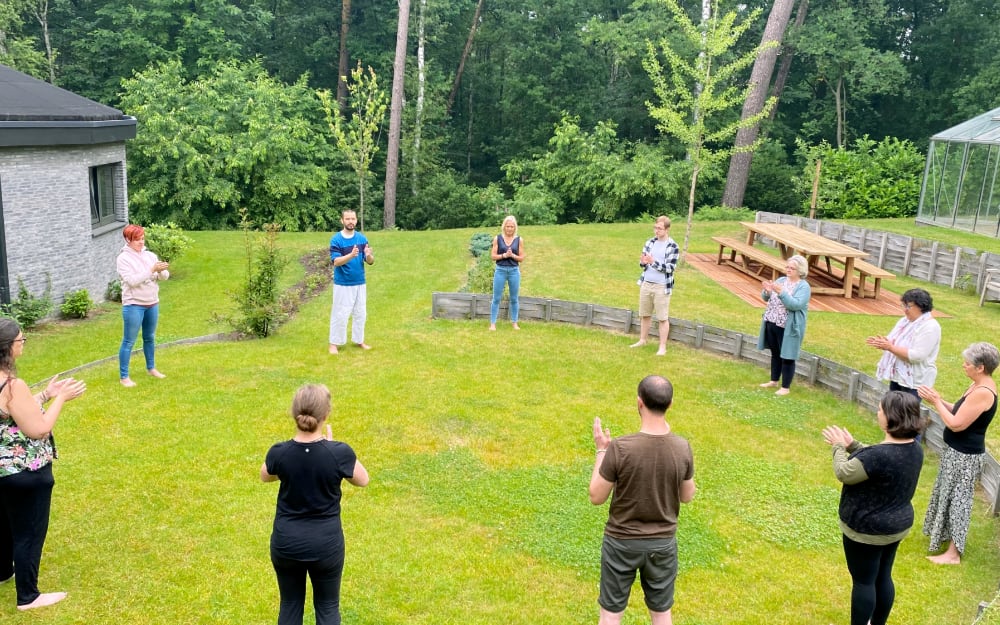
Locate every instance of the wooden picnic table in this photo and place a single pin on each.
(816, 248)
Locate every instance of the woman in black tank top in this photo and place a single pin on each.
(966, 420)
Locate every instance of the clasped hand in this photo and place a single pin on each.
(836, 435)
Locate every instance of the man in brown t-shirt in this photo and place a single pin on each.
(651, 474)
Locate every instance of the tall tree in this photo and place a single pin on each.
(840, 43)
(344, 60)
(396, 116)
(760, 81)
(693, 93)
(358, 139)
(465, 54)
(40, 11)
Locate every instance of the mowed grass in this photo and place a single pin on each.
(479, 448)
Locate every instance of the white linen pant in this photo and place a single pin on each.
(348, 301)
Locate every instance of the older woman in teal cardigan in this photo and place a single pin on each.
(784, 323)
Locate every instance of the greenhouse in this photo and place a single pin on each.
(961, 187)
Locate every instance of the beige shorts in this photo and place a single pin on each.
(652, 297)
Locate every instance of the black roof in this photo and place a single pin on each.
(33, 112)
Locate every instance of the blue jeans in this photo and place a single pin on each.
(135, 317)
(512, 277)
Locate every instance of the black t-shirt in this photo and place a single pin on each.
(307, 518)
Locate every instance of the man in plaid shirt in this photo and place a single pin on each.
(658, 260)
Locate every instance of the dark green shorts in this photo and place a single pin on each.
(655, 559)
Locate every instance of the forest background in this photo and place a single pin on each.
(540, 108)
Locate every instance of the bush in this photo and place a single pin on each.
(480, 243)
(168, 241)
(480, 278)
(723, 213)
(76, 305)
(446, 202)
(873, 180)
(115, 290)
(28, 309)
(258, 303)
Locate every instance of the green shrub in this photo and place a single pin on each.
(723, 213)
(115, 290)
(258, 304)
(168, 241)
(28, 309)
(480, 278)
(76, 305)
(480, 243)
(447, 202)
(872, 180)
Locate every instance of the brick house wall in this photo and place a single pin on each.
(45, 192)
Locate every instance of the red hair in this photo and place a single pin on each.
(133, 232)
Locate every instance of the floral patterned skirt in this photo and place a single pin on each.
(950, 509)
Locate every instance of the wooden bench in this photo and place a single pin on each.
(752, 261)
(865, 270)
(992, 281)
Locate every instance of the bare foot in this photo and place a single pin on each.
(638, 344)
(945, 558)
(333, 349)
(516, 327)
(127, 382)
(155, 373)
(44, 599)
(493, 327)
(662, 351)
(363, 345)
(782, 391)
(770, 384)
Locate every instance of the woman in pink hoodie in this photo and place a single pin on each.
(140, 271)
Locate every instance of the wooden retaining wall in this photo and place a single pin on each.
(930, 261)
(834, 377)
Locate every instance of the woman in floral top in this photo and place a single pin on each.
(26, 453)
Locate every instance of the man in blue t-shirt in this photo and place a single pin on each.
(349, 252)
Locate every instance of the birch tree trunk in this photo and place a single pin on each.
(421, 81)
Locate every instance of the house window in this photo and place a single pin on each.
(105, 193)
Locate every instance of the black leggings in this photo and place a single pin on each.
(25, 502)
(325, 576)
(871, 571)
(781, 369)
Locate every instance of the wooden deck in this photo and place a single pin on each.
(748, 289)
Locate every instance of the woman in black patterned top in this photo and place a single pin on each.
(876, 512)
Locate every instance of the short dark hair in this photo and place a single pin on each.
(902, 414)
(656, 393)
(919, 298)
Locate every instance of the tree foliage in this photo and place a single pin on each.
(232, 138)
(357, 139)
(697, 93)
(594, 176)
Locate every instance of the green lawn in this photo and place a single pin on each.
(479, 449)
